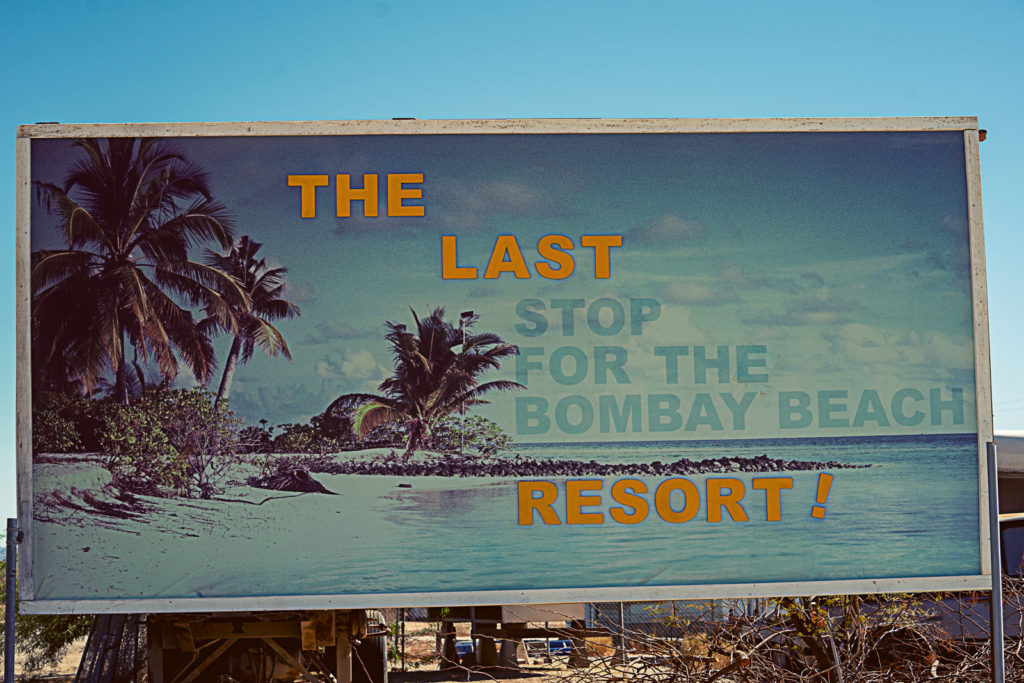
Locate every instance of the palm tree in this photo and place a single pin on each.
(252, 324)
(129, 212)
(432, 379)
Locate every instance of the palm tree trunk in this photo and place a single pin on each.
(229, 370)
(121, 380)
(415, 436)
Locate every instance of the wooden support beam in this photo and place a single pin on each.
(154, 651)
(578, 659)
(288, 658)
(487, 652)
(213, 630)
(507, 654)
(181, 631)
(210, 659)
(343, 646)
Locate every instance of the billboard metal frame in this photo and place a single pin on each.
(967, 124)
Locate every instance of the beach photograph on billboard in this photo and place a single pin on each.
(446, 368)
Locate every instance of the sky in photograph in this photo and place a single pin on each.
(119, 62)
(833, 262)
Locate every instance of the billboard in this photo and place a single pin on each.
(355, 364)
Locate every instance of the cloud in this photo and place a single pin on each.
(948, 256)
(873, 346)
(474, 204)
(812, 280)
(667, 231)
(804, 282)
(458, 204)
(733, 284)
(299, 293)
(350, 366)
(696, 294)
(255, 400)
(828, 311)
(326, 332)
(360, 226)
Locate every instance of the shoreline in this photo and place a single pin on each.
(92, 543)
(85, 481)
(431, 464)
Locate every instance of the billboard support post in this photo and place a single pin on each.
(996, 602)
(13, 533)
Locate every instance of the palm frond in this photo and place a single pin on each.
(77, 223)
(432, 379)
(202, 221)
(263, 334)
(50, 267)
(348, 402)
(374, 414)
(130, 209)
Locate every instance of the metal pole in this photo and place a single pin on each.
(13, 536)
(620, 654)
(622, 627)
(464, 319)
(996, 603)
(462, 427)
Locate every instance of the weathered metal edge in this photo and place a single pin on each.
(498, 126)
(23, 395)
(982, 368)
(511, 597)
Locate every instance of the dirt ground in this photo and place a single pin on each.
(64, 671)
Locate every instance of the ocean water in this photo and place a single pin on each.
(913, 513)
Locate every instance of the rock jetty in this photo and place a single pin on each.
(521, 467)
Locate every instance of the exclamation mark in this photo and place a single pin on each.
(824, 485)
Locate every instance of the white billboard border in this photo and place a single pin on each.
(982, 361)
(983, 392)
(723, 591)
(23, 356)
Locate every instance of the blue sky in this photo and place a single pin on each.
(115, 62)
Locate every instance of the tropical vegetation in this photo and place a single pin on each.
(437, 371)
(252, 323)
(128, 212)
(171, 441)
(122, 303)
(457, 433)
(118, 301)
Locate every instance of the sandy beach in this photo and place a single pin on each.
(97, 543)
(455, 526)
(176, 539)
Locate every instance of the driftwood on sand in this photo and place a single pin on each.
(290, 478)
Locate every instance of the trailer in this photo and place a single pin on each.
(319, 646)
